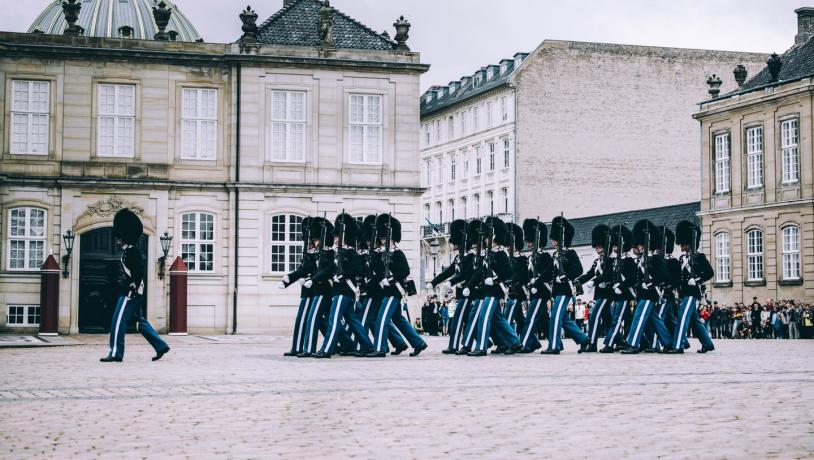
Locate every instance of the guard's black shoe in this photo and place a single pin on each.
(110, 359)
(584, 346)
(650, 350)
(476, 353)
(590, 349)
(376, 354)
(449, 351)
(304, 355)
(619, 347)
(161, 353)
(674, 351)
(363, 353)
(705, 349)
(687, 346)
(550, 352)
(498, 350)
(398, 350)
(347, 353)
(417, 351)
(516, 348)
(291, 353)
(630, 351)
(462, 351)
(322, 355)
(607, 349)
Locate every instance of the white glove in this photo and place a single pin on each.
(447, 285)
(281, 285)
(534, 290)
(603, 285)
(691, 281)
(432, 286)
(384, 282)
(308, 283)
(645, 286)
(489, 281)
(617, 291)
(561, 278)
(589, 284)
(301, 281)
(285, 279)
(466, 292)
(337, 279)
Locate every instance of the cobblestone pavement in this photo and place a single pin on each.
(241, 398)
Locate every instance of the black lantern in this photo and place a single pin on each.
(434, 245)
(68, 238)
(166, 242)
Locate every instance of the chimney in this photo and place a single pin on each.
(805, 25)
(740, 74)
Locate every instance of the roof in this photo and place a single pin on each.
(103, 18)
(798, 63)
(297, 23)
(668, 216)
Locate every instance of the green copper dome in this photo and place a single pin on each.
(112, 18)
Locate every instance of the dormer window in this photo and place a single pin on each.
(477, 79)
(489, 74)
(503, 68)
(125, 32)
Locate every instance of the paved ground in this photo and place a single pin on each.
(239, 397)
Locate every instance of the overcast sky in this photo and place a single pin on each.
(459, 36)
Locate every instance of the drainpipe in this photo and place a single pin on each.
(237, 203)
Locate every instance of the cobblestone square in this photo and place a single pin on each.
(242, 399)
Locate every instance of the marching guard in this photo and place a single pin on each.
(306, 269)
(624, 278)
(541, 266)
(600, 276)
(321, 235)
(518, 290)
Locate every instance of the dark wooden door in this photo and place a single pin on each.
(98, 279)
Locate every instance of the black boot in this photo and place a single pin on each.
(499, 350)
(631, 351)
(419, 349)
(376, 354)
(584, 346)
(398, 350)
(476, 353)
(304, 354)
(322, 355)
(161, 353)
(462, 351)
(291, 353)
(550, 352)
(110, 359)
(705, 349)
(449, 351)
(607, 349)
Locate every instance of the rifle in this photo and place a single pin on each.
(340, 222)
(618, 277)
(646, 255)
(535, 249)
(576, 290)
(387, 254)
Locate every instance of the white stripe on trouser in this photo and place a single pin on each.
(510, 314)
(118, 322)
(530, 325)
(460, 324)
(662, 303)
(642, 319)
(334, 323)
(596, 320)
(486, 317)
(380, 335)
(474, 324)
(303, 322)
(556, 332)
(683, 321)
(313, 325)
(618, 321)
(367, 309)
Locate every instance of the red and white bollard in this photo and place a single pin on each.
(49, 297)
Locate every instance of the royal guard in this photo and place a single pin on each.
(600, 277)
(305, 270)
(321, 235)
(518, 290)
(541, 270)
(458, 272)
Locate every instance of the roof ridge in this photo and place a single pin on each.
(363, 26)
(279, 13)
(689, 203)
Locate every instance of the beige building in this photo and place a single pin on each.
(758, 178)
(226, 147)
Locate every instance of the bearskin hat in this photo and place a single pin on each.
(321, 226)
(516, 236)
(475, 230)
(305, 226)
(640, 231)
(686, 231)
(346, 222)
(530, 227)
(599, 236)
(127, 226)
(366, 232)
(558, 225)
(500, 231)
(670, 242)
(457, 232)
(386, 221)
(622, 233)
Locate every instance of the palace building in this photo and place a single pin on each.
(222, 147)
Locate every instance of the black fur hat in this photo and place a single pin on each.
(350, 226)
(599, 236)
(366, 232)
(500, 229)
(559, 224)
(516, 236)
(529, 231)
(475, 229)
(457, 232)
(320, 226)
(305, 228)
(640, 234)
(620, 232)
(383, 222)
(670, 244)
(684, 233)
(127, 226)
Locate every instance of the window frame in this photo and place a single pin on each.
(30, 114)
(754, 157)
(26, 315)
(292, 247)
(200, 120)
(793, 149)
(453, 169)
(197, 241)
(754, 257)
(722, 164)
(117, 118)
(507, 153)
(492, 150)
(27, 238)
(790, 253)
(366, 124)
(723, 262)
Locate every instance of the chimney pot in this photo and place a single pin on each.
(740, 74)
(805, 25)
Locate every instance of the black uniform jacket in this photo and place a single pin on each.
(656, 273)
(572, 269)
(541, 273)
(131, 272)
(624, 278)
(306, 269)
(323, 272)
(520, 278)
(672, 283)
(495, 266)
(399, 271)
(601, 272)
(700, 270)
(344, 271)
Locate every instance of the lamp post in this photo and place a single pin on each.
(166, 242)
(68, 238)
(434, 244)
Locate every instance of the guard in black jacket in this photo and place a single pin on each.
(650, 274)
(541, 272)
(600, 276)
(390, 271)
(474, 237)
(306, 269)
(695, 271)
(518, 290)
(455, 274)
(346, 271)
(666, 309)
(320, 283)
(127, 230)
(623, 279)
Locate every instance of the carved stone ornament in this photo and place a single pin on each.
(110, 206)
(326, 24)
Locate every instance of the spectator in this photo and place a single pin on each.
(793, 319)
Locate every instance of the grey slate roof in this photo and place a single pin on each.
(798, 63)
(666, 215)
(298, 24)
(464, 93)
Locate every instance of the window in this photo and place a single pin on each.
(426, 131)
(286, 243)
(440, 162)
(466, 164)
(506, 153)
(452, 166)
(476, 118)
(288, 125)
(366, 129)
(489, 114)
(440, 212)
(117, 121)
(450, 128)
(491, 156)
(754, 255)
(437, 131)
(722, 273)
(451, 207)
(30, 104)
(504, 192)
(425, 174)
(26, 238)
(198, 241)
(463, 123)
(791, 253)
(754, 157)
(23, 315)
(427, 211)
(789, 151)
(504, 109)
(463, 208)
(722, 163)
(478, 161)
(490, 196)
(199, 119)
(477, 205)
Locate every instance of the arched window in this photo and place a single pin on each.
(26, 238)
(754, 255)
(722, 258)
(198, 241)
(286, 243)
(791, 253)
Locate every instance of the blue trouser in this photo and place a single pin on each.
(688, 317)
(390, 310)
(470, 329)
(538, 308)
(127, 310)
(641, 317)
(367, 310)
(560, 320)
(342, 308)
(317, 309)
(655, 328)
(462, 308)
(299, 325)
(600, 305)
(617, 314)
(510, 310)
(490, 317)
(666, 314)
